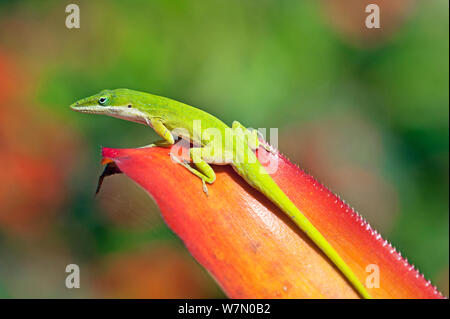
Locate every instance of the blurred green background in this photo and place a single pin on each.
(364, 111)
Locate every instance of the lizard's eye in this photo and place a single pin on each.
(103, 100)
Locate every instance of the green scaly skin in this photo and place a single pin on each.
(166, 116)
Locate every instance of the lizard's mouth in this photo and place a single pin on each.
(122, 112)
(94, 109)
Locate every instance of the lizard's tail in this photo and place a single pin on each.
(257, 177)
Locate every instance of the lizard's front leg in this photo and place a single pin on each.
(162, 131)
(201, 157)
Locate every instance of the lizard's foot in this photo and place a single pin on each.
(149, 145)
(268, 148)
(178, 161)
(264, 144)
(205, 189)
(174, 158)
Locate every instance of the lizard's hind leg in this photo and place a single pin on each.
(251, 135)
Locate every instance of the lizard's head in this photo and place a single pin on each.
(120, 103)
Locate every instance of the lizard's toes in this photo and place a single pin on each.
(205, 189)
(175, 159)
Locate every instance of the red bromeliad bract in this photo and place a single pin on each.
(252, 249)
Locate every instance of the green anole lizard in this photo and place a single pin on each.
(166, 116)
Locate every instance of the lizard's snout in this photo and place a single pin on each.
(75, 105)
(85, 106)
